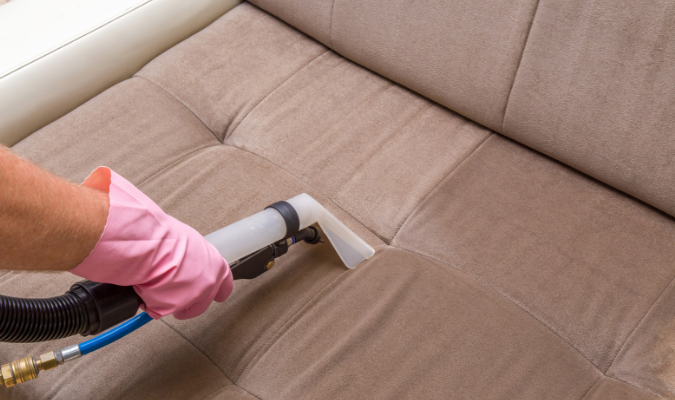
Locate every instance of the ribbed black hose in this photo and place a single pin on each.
(38, 320)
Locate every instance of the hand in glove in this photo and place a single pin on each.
(170, 265)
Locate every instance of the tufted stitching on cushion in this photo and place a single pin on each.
(205, 355)
(178, 100)
(443, 179)
(592, 386)
(277, 88)
(284, 327)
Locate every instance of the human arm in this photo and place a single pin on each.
(46, 222)
(107, 230)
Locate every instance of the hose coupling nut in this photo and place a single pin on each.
(49, 360)
(28, 368)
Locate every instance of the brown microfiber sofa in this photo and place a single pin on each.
(512, 162)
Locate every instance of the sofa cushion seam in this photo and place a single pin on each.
(520, 60)
(316, 298)
(175, 163)
(210, 395)
(200, 351)
(506, 297)
(492, 287)
(286, 325)
(637, 326)
(271, 93)
(644, 389)
(440, 181)
(192, 153)
(592, 386)
(207, 357)
(330, 26)
(181, 102)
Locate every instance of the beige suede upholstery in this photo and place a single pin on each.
(595, 91)
(585, 260)
(352, 150)
(499, 273)
(462, 54)
(592, 88)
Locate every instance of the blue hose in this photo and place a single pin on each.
(114, 334)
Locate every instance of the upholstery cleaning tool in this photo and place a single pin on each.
(90, 308)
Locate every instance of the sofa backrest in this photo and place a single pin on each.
(461, 54)
(591, 84)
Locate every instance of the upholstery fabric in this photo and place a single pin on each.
(595, 91)
(347, 132)
(584, 259)
(498, 273)
(222, 73)
(238, 184)
(608, 388)
(396, 327)
(647, 359)
(313, 17)
(589, 84)
(463, 55)
(135, 128)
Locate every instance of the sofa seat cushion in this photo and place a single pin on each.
(485, 282)
(587, 261)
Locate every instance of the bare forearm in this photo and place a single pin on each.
(46, 223)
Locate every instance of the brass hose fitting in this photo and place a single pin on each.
(28, 368)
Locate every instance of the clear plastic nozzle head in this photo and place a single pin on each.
(351, 248)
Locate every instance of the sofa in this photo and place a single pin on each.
(511, 162)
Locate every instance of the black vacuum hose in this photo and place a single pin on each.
(37, 320)
(87, 308)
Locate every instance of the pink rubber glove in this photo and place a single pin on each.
(170, 265)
